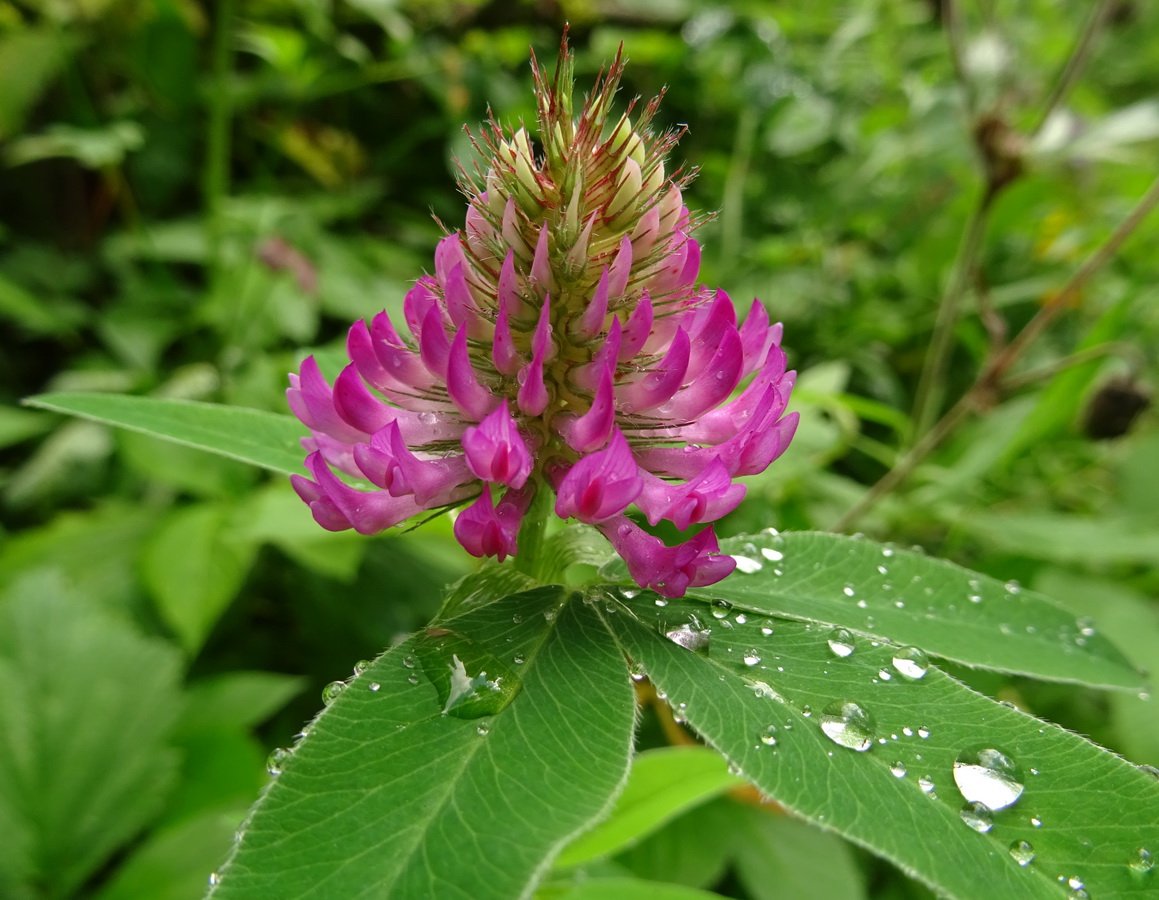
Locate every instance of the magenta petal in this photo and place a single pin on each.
(448, 254)
(495, 450)
(388, 463)
(312, 401)
(589, 376)
(486, 530)
(369, 512)
(434, 346)
(591, 323)
(471, 398)
(325, 513)
(503, 351)
(706, 498)
(756, 337)
(715, 383)
(620, 269)
(533, 397)
(540, 264)
(457, 296)
(637, 329)
(399, 360)
(357, 406)
(709, 326)
(660, 384)
(669, 571)
(600, 485)
(417, 303)
(590, 431)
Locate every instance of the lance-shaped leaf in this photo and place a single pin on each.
(265, 439)
(455, 766)
(879, 589)
(889, 751)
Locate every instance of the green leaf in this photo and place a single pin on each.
(194, 566)
(389, 797)
(910, 598)
(265, 439)
(173, 864)
(781, 858)
(771, 703)
(694, 849)
(86, 705)
(236, 700)
(622, 889)
(663, 783)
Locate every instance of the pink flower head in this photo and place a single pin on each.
(561, 344)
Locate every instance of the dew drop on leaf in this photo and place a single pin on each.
(1022, 852)
(911, 662)
(841, 642)
(1142, 863)
(977, 816)
(772, 555)
(361, 666)
(769, 736)
(751, 658)
(926, 784)
(747, 565)
(690, 637)
(374, 685)
(277, 759)
(470, 681)
(898, 769)
(331, 692)
(848, 724)
(721, 609)
(989, 776)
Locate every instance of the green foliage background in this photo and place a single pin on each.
(195, 195)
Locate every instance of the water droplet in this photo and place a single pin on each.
(848, 724)
(629, 593)
(898, 769)
(1142, 863)
(374, 685)
(907, 731)
(214, 879)
(806, 710)
(766, 628)
(926, 784)
(661, 601)
(848, 590)
(1086, 627)
(862, 604)
(988, 776)
(923, 732)
(911, 662)
(772, 555)
(1035, 821)
(1013, 587)
(408, 662)
(637, 671)
(841, 642)
(740, 618)
(977, 816)
(517, 659)
(768, 737)
(470, 681)
(690, 637)
(748, 566)
(763, 690)
(332, 690)
(517, 619)
(975, 598)
(361, 666)
(483, 728)
(1078, 894)
(1022, 852)
(884, 674)
(412, 679)
(887, 551)
(277, 760)
(751, 658)
(721, 609)
(882, 570)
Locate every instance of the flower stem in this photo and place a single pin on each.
(532, 534)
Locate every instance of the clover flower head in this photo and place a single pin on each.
(562, 344)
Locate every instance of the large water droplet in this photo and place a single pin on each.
(1142, 863)
(1022, 852)
(331, 692)
(721, 609)
(977, 816)
(748, 566)
(690, 637)
(911, 662)
(772, 555)
(361, 666)
(751, 658)
(841, 642)
(470, 681)
(277, 760)
(988, 776)
(848, 724)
